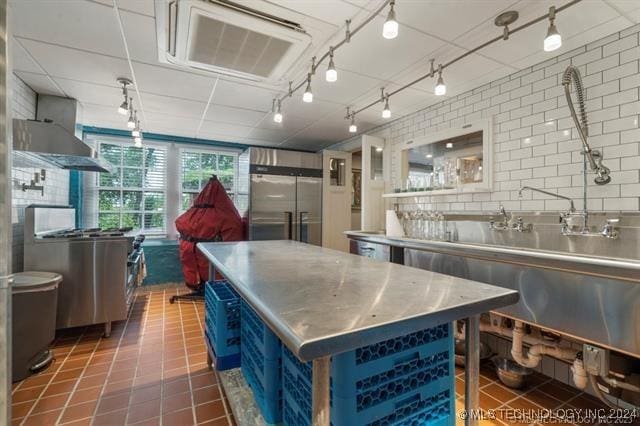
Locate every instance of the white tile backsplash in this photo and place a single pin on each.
(534, 138)
(56, 184)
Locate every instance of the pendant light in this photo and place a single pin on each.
(308, 96)
(352, 127)
(277, 115)
(123, 109)
(441, 88)
(137, 141)
(131, 123)
(390, 27)
(553, 40)
(136, 130)
(386, 112)
(331, 75)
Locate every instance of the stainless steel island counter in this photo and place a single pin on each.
(322, 302)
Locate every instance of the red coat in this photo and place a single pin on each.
(212, 217)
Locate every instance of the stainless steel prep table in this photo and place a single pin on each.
(322, 302)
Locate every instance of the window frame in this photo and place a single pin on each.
(164, 189)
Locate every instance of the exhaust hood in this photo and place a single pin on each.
(53, 139)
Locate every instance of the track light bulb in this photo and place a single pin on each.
(441, 88)
(136, 131)
(123, 109)
(277, 114)
(352, 127)
(308, 96)
(390, 27)
(137, 141)
(553, 40)
(331, 75)
(386, 112)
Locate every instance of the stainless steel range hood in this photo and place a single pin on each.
(54, 139)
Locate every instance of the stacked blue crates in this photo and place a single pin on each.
(222, 320)
(408, 380)
(262, 364)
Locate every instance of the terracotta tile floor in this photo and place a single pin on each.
(152, 371)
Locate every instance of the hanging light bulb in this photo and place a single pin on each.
(390, 27)
(441, 88)
(123, 109)
(277, 116)
(331, 75)
(352, 127)
(136, 130)
(131, 123)
(137, 141)
(553, 40)
(308, 96)
(386, 112)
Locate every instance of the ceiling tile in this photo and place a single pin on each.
(110, 96)
(177, 107)
(226, 114)
(73, 64)
(21, 61)
(39, 83)
(144, 7)
(83, 25)
(173, 82)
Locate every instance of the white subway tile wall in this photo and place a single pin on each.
(56, 184)
(535, 142)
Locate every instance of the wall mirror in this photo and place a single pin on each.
(447, 161)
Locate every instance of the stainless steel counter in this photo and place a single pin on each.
(608, 267)
(322, 302)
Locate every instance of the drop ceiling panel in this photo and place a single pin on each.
(102, 116)
(226, 114)
(91, 93)
(242, 95)
(80, 24)
(73, 64)
(40, 83)
(371, 55)
(435, 16)
(172, 82)
(571, 22)
(233, 130)
(177, 107)
(349, 85)
(334, 12)
(144, 7)
(21, 61)
(140, 31)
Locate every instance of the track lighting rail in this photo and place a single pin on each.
(470, 52)
(440, 90)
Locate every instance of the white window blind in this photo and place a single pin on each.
(134, 195)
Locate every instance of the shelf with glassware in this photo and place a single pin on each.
(449, 161)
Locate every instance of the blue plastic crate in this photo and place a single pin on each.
(221, 363)
(408, 380)
(222, 318)
(265, 341)
(262, 364)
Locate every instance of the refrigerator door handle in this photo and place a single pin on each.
(288, 225)
(303, 225)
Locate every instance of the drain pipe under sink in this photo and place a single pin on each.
(534, 356)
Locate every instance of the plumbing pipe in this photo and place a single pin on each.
(535, 353)
(579, 374)
(599, 394)
(615, 383)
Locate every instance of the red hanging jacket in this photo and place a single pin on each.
(212, 217)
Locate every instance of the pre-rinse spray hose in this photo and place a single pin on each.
(594, 157)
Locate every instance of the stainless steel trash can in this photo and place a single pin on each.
(34, 305)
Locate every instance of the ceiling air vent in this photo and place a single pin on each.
(228, 38)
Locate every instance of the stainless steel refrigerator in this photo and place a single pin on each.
(285, 195)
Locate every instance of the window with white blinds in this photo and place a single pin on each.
(134, 195)
(197, 166)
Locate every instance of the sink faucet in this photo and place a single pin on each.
(500, 226)
(572, 207)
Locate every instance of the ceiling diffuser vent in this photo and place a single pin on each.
(228, 38)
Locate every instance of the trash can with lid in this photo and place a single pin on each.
(34, 305)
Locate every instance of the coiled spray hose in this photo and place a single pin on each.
(594, 157)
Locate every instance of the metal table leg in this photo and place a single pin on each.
(321, 375)
(472, 369)
(107, 329)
